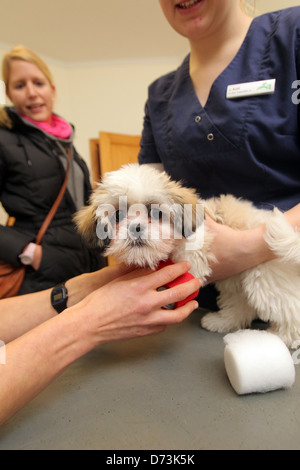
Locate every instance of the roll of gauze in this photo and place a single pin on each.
(257, 362)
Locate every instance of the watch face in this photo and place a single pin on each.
(57, 295)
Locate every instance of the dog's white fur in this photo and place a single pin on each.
(270, 291)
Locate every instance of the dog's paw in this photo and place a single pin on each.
(217, 322)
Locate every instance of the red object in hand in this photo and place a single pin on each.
(179, 280)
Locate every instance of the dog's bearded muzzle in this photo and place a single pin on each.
(138, 215)
(142, 239)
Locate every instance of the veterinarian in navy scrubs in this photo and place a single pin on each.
(227, 120)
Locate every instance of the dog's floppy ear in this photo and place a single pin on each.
(190, 210)
(93, 221)
(85, 220)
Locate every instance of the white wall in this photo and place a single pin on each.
(264, 6)
(110, 97)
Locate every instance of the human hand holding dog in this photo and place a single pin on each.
(236, 250)
(127, 305)
(130, 305)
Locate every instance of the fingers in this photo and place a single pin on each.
(167, 274)
(146, 283)
(179, 314)
(158, 320)
(153, 279)
(179, 292)
(161, 317)
(142, 285)
(130, 306)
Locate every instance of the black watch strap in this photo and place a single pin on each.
(59, 297)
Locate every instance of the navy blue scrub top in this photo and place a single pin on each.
(248, 147)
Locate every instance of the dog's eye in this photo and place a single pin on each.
(155, 214)
(120, 215)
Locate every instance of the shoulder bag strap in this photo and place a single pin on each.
(54, 208)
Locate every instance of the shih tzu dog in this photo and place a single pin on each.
(140, 216)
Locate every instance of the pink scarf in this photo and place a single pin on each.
(58, 127)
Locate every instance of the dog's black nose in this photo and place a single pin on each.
(135, 230)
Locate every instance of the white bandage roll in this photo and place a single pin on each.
(257, 362)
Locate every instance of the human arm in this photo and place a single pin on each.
(237, 251)
(22, 313)
(127, 307)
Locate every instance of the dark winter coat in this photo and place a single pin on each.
(31, 175)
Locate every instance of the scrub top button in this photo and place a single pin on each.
(210, 136)
(197, 119)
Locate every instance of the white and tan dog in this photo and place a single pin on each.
(140, 216)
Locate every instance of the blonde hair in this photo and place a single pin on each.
(248, 6)
(23, 53)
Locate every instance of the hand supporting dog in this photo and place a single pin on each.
(236, 250)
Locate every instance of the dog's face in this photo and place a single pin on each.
(138, 215)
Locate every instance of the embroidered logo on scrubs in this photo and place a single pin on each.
(242, 90)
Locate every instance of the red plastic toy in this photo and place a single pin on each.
(179, 280)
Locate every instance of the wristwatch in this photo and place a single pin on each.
(59, 297)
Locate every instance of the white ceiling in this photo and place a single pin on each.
(90, 30)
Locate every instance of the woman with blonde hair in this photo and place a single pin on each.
(36, 147)
(226, 121)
